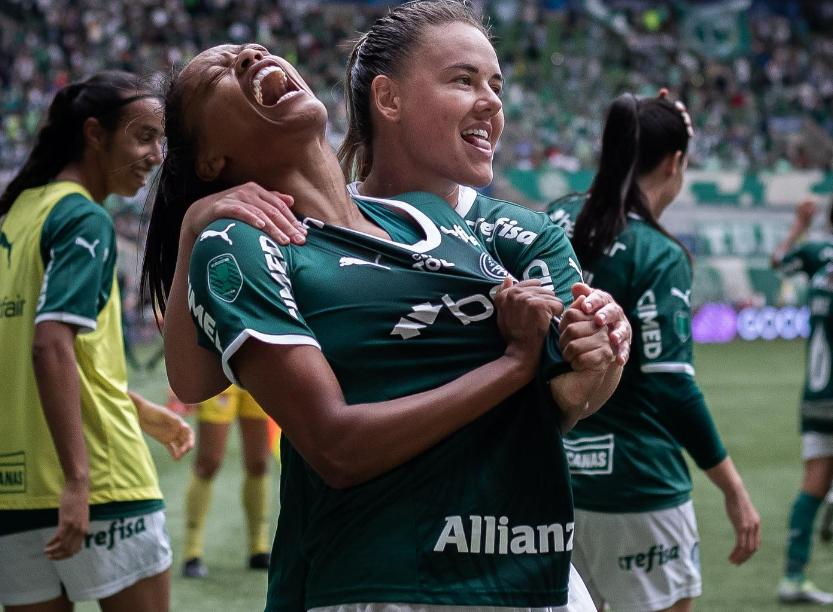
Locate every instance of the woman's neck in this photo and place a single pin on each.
(394, 173)
(654, 194)
(82, 173)
(316, 183)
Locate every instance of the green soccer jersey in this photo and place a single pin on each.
(809, 258)
(817, 405)
(627, 457)
(483, 518)
(525, 242)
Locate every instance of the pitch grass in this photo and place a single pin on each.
(752, 389)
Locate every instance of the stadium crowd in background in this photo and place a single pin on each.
(762, 97)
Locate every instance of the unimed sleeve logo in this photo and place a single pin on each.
(13, 473)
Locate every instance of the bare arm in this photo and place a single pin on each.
(803, 218)
(56, 373)
(745, 519)
(164, 426)
(351, 444)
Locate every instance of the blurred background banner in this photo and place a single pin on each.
(718, 29)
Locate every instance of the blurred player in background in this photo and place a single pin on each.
(637, 545)
(81, 513)
(214, 418)
(812, 258)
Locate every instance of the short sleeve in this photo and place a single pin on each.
(240, 287)
(552, 259)
(78, 246)
(662, 318)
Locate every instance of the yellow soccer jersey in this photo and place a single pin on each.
(57, 263)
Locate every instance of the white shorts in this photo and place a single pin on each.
(815, 445)
(640, 561)
(114, 555)
(579, 601)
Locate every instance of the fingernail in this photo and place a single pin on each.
(588, 305)
(602, 318)
(261, 223)
(299, 238)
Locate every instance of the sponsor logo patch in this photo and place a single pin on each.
(682, 325)
(10, 308)
(592, 455)
(657, 556)
(13, 473)
(491, 535)
(224, 277)
(120, 529)
(491, 268)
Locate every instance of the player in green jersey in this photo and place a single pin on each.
(637, 544)
(812, 258)
(249, 71)
(81, 513)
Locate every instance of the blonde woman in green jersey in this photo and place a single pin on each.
(637, 545)
(244, 88)
(81, 513)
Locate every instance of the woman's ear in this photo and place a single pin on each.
(385, 98)
(95, 136)
(209, 168)
(673, 164)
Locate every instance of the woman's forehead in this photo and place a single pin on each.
(454, 43)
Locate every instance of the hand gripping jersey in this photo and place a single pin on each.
(484, 517)
(627, 457)
(57, 263)
(809, 258)
(817, 405)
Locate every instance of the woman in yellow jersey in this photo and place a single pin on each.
(81, 513)
(214, 418)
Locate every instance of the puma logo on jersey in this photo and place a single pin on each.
(684, 296)
(490, 535)
(352, 261)
(503, 228)
(84, 244)
(215, 234)
(423, 315)
(574, 266)
(5, 244)
(459, 232)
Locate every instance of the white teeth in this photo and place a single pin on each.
(262, 74)
(479, 133)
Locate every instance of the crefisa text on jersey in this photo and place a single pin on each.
(491, 535)
(503, 228)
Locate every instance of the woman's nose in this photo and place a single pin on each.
(246, 58)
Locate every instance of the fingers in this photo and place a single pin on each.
(66, 542)
(596, 300)
(748, 536)
(580, 289)
(589, 352)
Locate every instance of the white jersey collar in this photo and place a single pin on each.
(465, 197)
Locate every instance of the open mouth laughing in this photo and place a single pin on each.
(271, 85)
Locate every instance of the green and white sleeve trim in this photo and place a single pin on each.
(85, 324)
(284, 339)
(671, 367)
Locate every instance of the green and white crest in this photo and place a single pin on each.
(224, 277)
(682, 325)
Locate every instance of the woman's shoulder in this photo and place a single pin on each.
(651, 246)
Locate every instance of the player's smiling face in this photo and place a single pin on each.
(243, 104)
(452, 116)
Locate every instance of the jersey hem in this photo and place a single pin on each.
(284, 339)
(44, 502)
(87, 325)
(554, 598)
(671, 367)
(649, 506)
